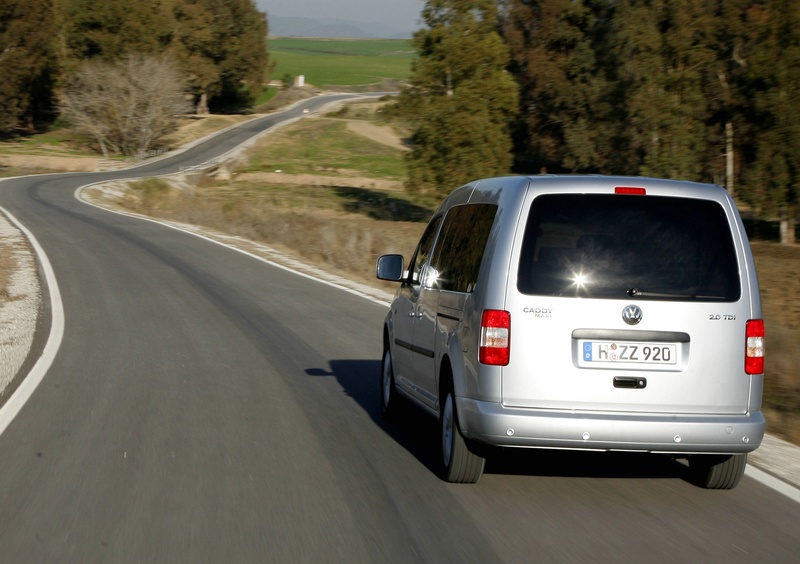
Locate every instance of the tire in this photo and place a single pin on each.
(460, 464)
(715, 472)
(388, 391)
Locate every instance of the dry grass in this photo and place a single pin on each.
(10, 248)
(9, 171)
(340, 229)
(7, 265)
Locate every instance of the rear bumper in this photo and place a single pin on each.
(492, 423)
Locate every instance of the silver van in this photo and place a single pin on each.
(581, 312)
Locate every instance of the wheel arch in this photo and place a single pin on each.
(451, 365)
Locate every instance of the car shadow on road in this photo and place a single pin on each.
(412, 429)
(419, 435)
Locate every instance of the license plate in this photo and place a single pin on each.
(628, 352)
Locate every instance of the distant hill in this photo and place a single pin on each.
(328, 27)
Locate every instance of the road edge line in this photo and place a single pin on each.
(34, 377)
(772, 482)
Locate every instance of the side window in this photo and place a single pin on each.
(423, 253)
(458, 255)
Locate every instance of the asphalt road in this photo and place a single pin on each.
(205, 406)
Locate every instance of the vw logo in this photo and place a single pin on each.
(632, 314)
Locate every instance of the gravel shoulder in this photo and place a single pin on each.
(21, 303)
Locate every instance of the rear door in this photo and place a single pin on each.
(628, 303)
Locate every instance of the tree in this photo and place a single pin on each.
(664, 52)
(110, 29)
(128, 106)
(727, 93)
(28, 64)
(774, 68)
(681, 89)
(237, 50)
(462, 99)
(560, 58)
(192, 43)
(222, 48)
(219, 44)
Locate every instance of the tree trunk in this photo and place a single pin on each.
(729, 162)
(787, 230)
(202, 105)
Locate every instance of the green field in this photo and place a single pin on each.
(341, 62)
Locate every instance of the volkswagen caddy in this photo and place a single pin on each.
(581, 312)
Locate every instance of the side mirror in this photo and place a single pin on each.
(390, 267)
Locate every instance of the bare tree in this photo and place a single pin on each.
(126, 106)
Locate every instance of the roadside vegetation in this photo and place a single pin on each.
(55, 142)
(119, 72)
(7, 266)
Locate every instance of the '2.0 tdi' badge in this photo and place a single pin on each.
(632, 314)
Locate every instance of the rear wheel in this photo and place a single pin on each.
(460, 464)
(717, 472)
(389, 397)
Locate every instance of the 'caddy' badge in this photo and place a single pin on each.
(632, 314)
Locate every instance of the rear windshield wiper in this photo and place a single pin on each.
(637, 293)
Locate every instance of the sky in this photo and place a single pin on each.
(396, 13)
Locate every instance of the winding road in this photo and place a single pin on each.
(206, 406)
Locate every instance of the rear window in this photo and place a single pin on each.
(613, 246)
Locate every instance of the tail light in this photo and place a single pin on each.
(754, 348)
(630, 191)
(495, 345)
